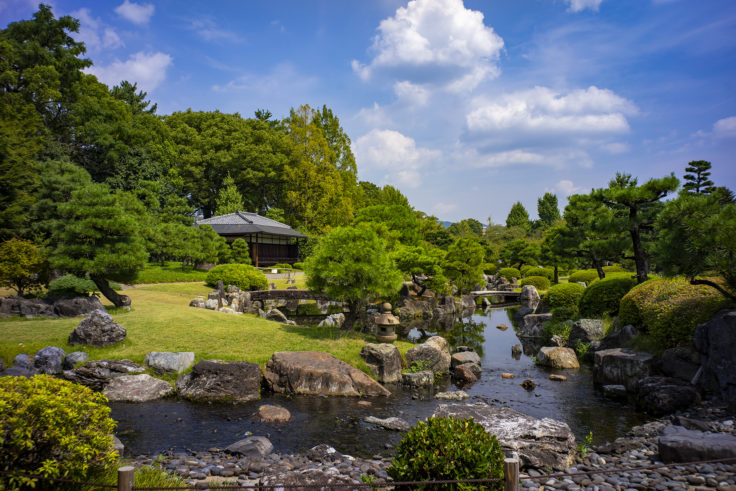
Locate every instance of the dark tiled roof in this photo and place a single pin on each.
(242, 222)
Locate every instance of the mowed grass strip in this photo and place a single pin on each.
(161, 320)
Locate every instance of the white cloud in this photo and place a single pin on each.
(136, 13)
(434, 41)
(566, 187)
(392, 156)
(93, 33)
(579, 5)
(208, 30)
(414, 95)
(725, 128)
(147, 69)
(510, 157)
(441, 208)
(549, 157)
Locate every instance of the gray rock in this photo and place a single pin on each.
(72, 307)
(424, 378)
(98, 373)
(585, 331)
(464, 357)
(435, 351)
(615, 392)
(137, 388)
(307, 480)
(558, 340)
(273, 414)
(677, 444)
(276, 315)
(457, 395)
(621, 366)
(252, 446)
(665, 395)
(22, 367)
(165, 362)
(466, 373)
(117, 445)
(211, 304)
(25, 307)
(333, 320)
(395, 424)
(681, 363)
(75, 358)
(532, 325)
(617, 339)
(98, 330)
(384, 361)
(540, 443)
(473, 367)
(557, 357)
(198, 303)
(715, 340)
(323, 453)
(49, 360)
(214, 380)
(529, 297)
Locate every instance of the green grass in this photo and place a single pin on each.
(161, 320)
(170, 272)
(301, 283)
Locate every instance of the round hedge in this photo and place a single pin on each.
(490, 268)
(584, 276)
(524, 269)
(53, 428)
(71, 286)
(670, 309)
(616, 268)
(509, 273)
(566, 295)
(539, 282)
(604, 296)
(548, 273)
(243, 276)
(448, 448)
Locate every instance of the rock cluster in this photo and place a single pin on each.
(48, 307)
(384, 361)
(98, 330)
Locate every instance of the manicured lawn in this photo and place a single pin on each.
(161, 320)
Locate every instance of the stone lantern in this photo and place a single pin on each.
(386, 324)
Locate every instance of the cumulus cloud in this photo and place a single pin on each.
(134, 12)
(94, 33)
(579, 5)
(414, 95)
(208, 30)
(725, 128)
(392, 156)
(566, 187)
(441, 208)
(434, 41)
(147, 69)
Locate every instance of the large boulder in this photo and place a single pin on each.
(276, 315)
(585, 331)
(541, 443)
(49, 360)
(137, 388)
(215, 380)
(557, 357)
(384, 361)
(677, 444)
(529, 297)
(435, 353)
(617, 339)
(464, 357)
(22, 367)
(318, 373)
(252, 446)
(682, 362)
(72, 307)
(663, 395)
(164, 362)
(25, 307)
(532, 325)
(98, 330)
(715, 340)
(98, 373)
(621, 366)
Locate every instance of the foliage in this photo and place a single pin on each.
(468, 226)
(616, 268)
(282, 266)
(418, 366)
(584, 446)
(53, 428)
(604, 296)
(509, 273)
(548, 209)
(298, 265)
(170, 272)
(448, 448)
(71, 286)
(240, 253)
(229, 199)
(490, 268)
(243, 276)
(397, 218)
(697, 180)
(520, 252)
(557, 327)
(565, 296)
(669, 310)
(539, 282)
(586, 276)
(463, 264)
(518, 217)
(432, 231)
(417, 261)
(583, 350)
(537, 271)
(22, 265)
(353, 265)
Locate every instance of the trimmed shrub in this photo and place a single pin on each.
(448, 448)
(524, 269)
(616, 268)
(562, 299)
(548, 273)
(243, 276)
(53, 428)
(239, 252)
(490, 268)
(509, 273)
(298, 265)
(281, 266)
(670, 309)
(539, 282)
(604, 296)
(71, 286)
(585, 276)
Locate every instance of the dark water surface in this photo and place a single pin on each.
(150, 428)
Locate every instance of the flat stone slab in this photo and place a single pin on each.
(541, 443)
(395, 424)
(678, 444)
(621, 366)
(165, 362)
(456, 395)
(213, 380)
(137, 388)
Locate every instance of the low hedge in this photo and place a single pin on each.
(299, 266)
(604, 296)
(669, 310)
(509, 273)
(539, 282)
(565, 295)
(243, 276)
(548, 273)
(583, 276)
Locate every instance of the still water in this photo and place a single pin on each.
(150, 428)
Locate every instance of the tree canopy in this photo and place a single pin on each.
(518, 217)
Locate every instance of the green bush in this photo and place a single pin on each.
(448, 448)
(298, 265)
(548, 273)
(554, 327)
(562, 300)
(53, 428)
(281, 266)
(243, 276)
(670, 309)
(239, 252)
(616, 268)
(604, 296)
(525, 269)
(539, 282)
(171, 271)
(71, 286)
(584, 276)
(490, 268)
(509, 273)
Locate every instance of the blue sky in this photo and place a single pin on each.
(466, 106)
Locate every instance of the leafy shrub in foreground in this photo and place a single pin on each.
(562, 299)
(71, 286)
(243, 276)
(604, 296)
(53, 428)
(539, 282)
(670, 309)
(448, 448)
(509, 273)
(584, 276)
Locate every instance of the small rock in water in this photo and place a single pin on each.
(528, 384)
(507, 375)
(557, 378)
(273, 414)
(363, 404)
(516, 349)
(502, 327)
(395, 424)
(458, 395)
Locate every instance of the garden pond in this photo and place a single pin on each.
(171, 424)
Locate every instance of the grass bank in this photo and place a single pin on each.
(161, 320)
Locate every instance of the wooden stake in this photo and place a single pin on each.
(511, 475)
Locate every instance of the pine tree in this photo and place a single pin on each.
(548, 209)
(697, 181)
(518, 216)
(229, 199)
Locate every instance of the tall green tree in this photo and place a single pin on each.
(520, 252)
(397, 218)
(548, 210)
(136, 101)
(463, 264)
(229, 199)
(697, 177)
(518, 217)
(468, 226)
(423, 265)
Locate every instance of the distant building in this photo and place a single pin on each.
(269, 241)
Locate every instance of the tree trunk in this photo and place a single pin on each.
(640, 258)
(355, 308)
(113, 296)
(557, 275)
(599, 268)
